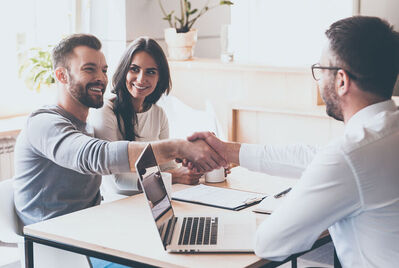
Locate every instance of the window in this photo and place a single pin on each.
(283, 32)
(26, 24)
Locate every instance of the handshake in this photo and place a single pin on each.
(204, 152)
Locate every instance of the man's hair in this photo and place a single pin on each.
(368, 49)
(65, 48)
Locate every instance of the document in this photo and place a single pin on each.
(218, 197)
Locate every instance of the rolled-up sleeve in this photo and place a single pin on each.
(57, 139)
(288, 161)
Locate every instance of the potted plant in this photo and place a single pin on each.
(181, 37)
(37, 68)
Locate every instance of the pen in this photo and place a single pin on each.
(282, 193)
(252, 200)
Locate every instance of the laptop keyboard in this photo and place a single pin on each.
(199, 231)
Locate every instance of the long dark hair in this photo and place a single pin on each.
(123, 107)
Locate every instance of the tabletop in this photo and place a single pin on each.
(125, 228)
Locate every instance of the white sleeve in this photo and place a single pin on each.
(326, 193)
(277, 160)
(164, 123)
(163, 135)
(105, 126)
(105, 123)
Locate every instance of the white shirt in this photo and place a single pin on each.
(351, 187)
(152, 125)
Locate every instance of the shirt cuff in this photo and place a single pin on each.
(120, 162)
(250, 156)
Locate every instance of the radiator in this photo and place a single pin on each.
(6, 158)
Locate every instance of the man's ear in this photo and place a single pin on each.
(61, 75)
(342, 82)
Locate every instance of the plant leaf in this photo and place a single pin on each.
(179, 20)
(36, 67)
(38, 75)
(226, 3)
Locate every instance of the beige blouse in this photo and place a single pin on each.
(152, 125)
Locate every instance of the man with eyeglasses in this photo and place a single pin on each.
(351, 185)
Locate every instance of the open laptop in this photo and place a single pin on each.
(191, 233)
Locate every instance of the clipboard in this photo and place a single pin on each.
(218, 197)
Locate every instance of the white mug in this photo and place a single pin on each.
(216, 175)
(167, 181)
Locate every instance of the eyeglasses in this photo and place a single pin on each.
(316, 70)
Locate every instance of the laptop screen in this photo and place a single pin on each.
(152, 184)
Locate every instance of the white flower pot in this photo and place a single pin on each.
(180, 45)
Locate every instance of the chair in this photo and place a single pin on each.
(185, 120)
(9, 233)
(9, 222)
(9, 225)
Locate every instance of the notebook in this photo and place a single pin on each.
(218, 197)
(191, 233)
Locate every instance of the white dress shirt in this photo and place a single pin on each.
(350, 186)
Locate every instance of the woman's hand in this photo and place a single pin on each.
(228, 169)
(185, 175)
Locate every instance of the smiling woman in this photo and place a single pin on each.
(141, 78)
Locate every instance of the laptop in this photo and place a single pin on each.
(191, 233)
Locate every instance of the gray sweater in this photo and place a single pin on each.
(58, 165)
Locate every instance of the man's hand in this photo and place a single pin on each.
(212, 141)
(228, 150)
(201, 155)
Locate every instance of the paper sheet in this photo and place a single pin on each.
(217, 196)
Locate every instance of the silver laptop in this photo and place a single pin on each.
(191, 233)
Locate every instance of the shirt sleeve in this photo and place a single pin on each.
(326, 193)
(105, 126)
(56, 138)
(164, 123)
(277, 160)
(163, 135)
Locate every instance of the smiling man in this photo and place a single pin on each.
(58, 163)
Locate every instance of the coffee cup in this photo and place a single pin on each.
(216, 175)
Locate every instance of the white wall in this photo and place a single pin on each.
(144, 17)
(118, 22)
(284, 32)
(386, 9)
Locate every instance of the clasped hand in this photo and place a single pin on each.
(203, 152)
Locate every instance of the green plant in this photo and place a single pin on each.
(37, 68)
(188, 16)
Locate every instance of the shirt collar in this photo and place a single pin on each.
(368, 112)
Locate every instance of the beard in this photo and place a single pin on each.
(80, 93)
(332, 101)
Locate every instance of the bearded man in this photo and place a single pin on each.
(58, 163)
(350, 186)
